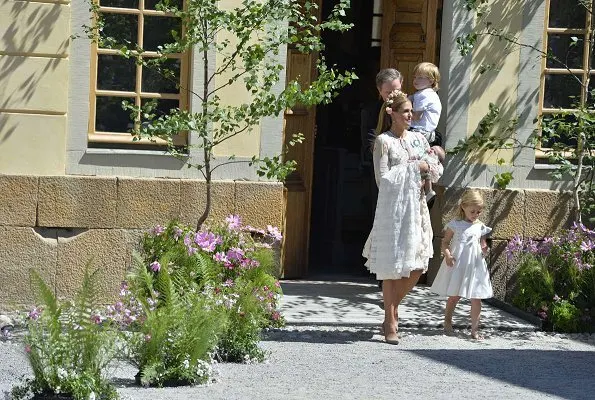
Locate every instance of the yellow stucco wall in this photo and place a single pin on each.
(500, 85)
(34, 40)
(246, 144)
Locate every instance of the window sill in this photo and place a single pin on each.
(97, 151)
(547, 167)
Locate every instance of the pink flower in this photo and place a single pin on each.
(27, 349)
(96, 319)
(233, 222)
(221, 257)
(274, 232)
(177, 233)
(207, 241)
(158, 230)
(155, 266)
(35, 313)
(147, 337)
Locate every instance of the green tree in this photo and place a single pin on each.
(567, 137)
(246, 41)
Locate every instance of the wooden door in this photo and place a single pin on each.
(410, 35)
(297, 191)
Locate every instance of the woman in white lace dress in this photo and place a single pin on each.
(400, 244)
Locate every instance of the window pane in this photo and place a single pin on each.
(558, 129)
(119, 3)
(121, 27)
(567, 14)
(159, 31)
(116, 73)
(561, 91)
(568, 56)
(110, 116)
(163, 106)
(150, 4)
(162, 79)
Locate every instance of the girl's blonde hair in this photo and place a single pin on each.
(429, 70)
(394, 100)
(471, 197)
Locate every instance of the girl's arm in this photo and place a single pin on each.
(445, 247)
(484, 245)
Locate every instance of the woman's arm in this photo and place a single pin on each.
(445, 247)
(380, 157)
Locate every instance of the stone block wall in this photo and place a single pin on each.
(527, 212)
(56, 224)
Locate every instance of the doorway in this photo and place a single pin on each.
(343, 188)
(344, 191)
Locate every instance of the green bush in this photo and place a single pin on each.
(221, 276)
(556, 278)
(565, 316)
(536, 285)
(67, 345)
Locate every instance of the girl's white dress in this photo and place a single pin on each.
(401, 237)
(469, 276)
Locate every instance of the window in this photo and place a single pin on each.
(564, 76)
(137, 24)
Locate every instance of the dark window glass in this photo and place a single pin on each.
(163, 106)
(122, 28)
(116, 73)
(159, 31)
(567, 55)
(558, 128)
(567, 14)
(561, 91)
(163, 78)
(110, 116)
(119, 3)
(151, 4)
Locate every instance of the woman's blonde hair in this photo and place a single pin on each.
(429, 70)
(395, 100)
(471, 197)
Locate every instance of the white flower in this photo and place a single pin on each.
(186, 364)
(92, 396)
(62, 373)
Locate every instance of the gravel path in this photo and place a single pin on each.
(350, 363)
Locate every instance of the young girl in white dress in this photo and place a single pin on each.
(464, 272)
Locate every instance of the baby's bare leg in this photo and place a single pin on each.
(440, 153)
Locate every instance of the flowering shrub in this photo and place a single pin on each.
(198, 295)
(68, 347)
(556, 278)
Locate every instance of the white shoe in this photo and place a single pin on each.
(430, 195)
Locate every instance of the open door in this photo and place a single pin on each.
(297, 192)
(410, 34)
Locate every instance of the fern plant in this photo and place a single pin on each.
(173, 345)
(67, 346)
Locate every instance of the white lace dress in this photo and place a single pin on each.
(401, 237)
(469, 276)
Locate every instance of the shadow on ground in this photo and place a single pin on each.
(567, 374)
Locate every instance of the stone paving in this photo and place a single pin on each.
(358, 303)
